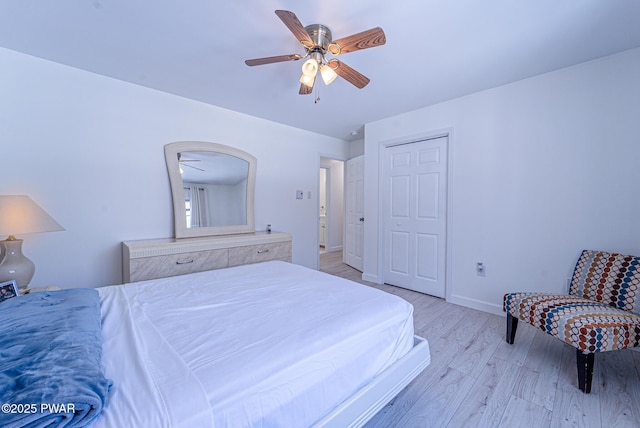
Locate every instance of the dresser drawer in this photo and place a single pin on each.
(260, 253)
(159, 258)
(177, 264)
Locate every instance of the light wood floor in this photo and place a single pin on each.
(476, 379)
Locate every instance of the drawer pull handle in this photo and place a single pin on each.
(265, 250)
(186, 262)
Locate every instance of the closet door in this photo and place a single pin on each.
(414, 215)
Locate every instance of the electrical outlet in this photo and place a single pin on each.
(299, 194)
(480, 269)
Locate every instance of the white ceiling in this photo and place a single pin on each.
(212, 168)
(436, 49)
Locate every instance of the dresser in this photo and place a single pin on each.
(160, 258)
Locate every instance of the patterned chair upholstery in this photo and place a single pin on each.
(600, 313)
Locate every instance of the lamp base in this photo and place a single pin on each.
(16, 265)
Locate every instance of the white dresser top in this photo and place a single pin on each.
(164, 246)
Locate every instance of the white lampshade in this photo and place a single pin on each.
(20, 215)
(308, 80)
(310, 67)
(327, 73)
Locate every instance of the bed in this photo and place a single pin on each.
(269, 344)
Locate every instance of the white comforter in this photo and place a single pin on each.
(269, 345)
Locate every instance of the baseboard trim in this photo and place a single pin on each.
(476, 304)
(371, 278)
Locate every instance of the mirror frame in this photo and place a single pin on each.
(181, 230)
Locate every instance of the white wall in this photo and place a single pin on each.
(89, 150)
(356, 148)
(541, 169)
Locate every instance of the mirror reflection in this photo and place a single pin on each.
(212, 186)
(215, 188)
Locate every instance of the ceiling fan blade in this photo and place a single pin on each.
(295, 26)
(349, 74)
(306, 90)
(191, 166)
(364, 40)
(272, 59)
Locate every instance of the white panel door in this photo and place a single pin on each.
(414, 215)
(354, 213)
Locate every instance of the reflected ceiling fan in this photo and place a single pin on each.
(316, 39)
(184, 162)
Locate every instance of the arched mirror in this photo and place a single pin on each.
(212, 187)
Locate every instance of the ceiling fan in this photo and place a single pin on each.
(316, 39)
(183, 162)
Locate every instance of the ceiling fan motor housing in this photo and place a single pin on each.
(320, 35)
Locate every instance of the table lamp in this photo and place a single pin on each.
(20, 215)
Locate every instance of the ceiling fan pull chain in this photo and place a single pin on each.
(317, 96)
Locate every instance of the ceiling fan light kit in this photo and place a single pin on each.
(308, 79)
(317, 41)
(327, 73)
(310, 66)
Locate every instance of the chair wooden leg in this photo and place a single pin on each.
(585, 370)
(512, 326)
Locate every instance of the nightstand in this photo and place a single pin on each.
(40, 289)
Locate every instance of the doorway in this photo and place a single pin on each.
(330, 204)
(415, 215)
(323, 210)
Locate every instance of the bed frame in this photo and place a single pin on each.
(356, 410)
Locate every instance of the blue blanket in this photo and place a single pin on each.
(50, 359)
